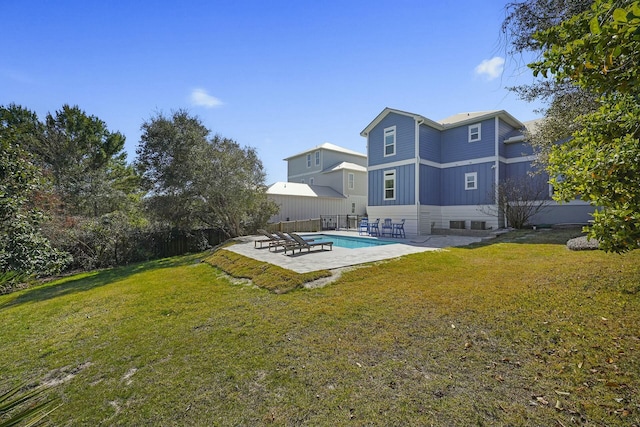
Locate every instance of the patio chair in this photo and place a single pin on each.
(387, 227)
(301, 244)
(374, 230)
(271, 239)
(363, 228)
(287, 240)
(398, 230)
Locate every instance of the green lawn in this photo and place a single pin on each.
(518, 332)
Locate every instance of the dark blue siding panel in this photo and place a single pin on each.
(453, 185)
(429, 143)
(504, 130)
(405, 139)
(456, 145)
(405, 186)
(526, 170)
(430, 185)
(517, 149)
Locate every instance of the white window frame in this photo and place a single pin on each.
(317, 156)
(351, 181)
(475, 132)
(389, 175)
(391, 131)
(474, 176)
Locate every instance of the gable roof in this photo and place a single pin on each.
(303, 190)
(345, 166)
(453, 121)
(328, 146)
(388, 111)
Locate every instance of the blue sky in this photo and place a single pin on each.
(280, 76)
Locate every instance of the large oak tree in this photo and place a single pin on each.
(195, 180)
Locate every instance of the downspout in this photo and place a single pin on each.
(417, 173)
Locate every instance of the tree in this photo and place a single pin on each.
(519, 199)
(23, 248)
(565, 101)
(196, 181)
(78, 152)
(597, 50)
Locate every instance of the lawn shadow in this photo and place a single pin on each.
(82, 282)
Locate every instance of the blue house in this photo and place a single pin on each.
(444, 174)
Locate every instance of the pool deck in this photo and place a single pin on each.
(317, 259)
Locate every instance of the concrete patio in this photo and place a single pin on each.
(317, 259)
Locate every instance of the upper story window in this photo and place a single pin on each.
(317, 154)
(475, 132)
(471, 181)
(352, 181)
(390, 185)
(309, 160)
(390, 141)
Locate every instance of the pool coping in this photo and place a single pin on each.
(316, 259)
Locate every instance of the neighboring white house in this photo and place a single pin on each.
(326, 180)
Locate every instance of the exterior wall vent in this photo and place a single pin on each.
(478, 225)
(457, 225)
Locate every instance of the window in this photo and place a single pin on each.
(311, 181)
(353, 208)
(390, 185)
(352, 181)
(474, 132)
(317, 158)
(302, 181)
(390, 141)
(471, 181)
(308, 160)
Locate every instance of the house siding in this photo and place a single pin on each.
(455, 145)
(517, 149)
(504, 129)
(453, 185)
(430, 185)
(430, 143)
(405, 140)
(405, 184)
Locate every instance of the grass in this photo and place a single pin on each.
(517, 332)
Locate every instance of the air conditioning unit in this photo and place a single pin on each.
(457, 225)
(478, 225)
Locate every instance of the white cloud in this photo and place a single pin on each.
(201, 98)
(491, 68)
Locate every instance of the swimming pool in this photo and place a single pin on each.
(348, 241)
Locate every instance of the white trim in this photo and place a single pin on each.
(517, 138)
(351, 180)
(477, 161)
(392, 131)
(392, 165)
(518, 159)
(479, 132)
(391, 172)
(308, 159)
(473, 175)
(316, 156)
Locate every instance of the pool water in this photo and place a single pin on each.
(347, 241)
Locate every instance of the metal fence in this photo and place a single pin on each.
(325, 222)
